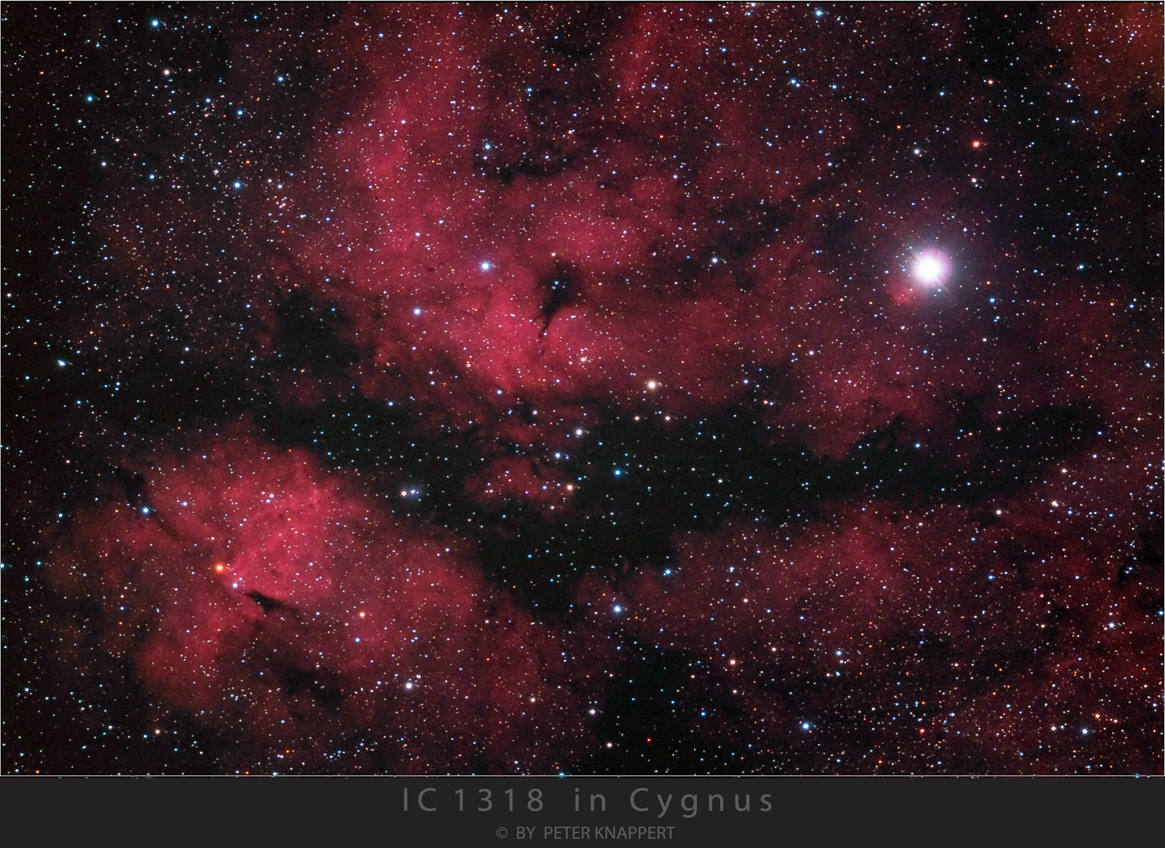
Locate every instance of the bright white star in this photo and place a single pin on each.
(932, 268)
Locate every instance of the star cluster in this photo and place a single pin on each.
(473, 388)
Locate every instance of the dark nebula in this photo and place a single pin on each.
(579, 388)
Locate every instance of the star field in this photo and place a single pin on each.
(727, 388)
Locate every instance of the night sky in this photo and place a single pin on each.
(604, 389)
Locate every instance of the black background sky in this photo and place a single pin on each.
(551, 388)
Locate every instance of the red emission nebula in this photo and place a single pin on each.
(732, 388)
